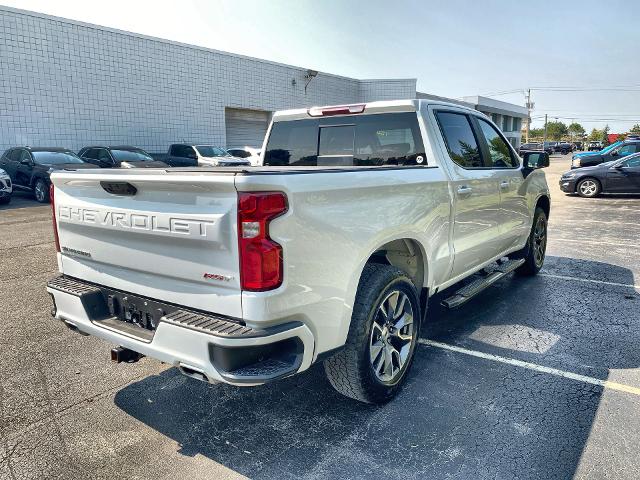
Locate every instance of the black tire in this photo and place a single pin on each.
(534, 251)
(588, 187)
(351, 371)
(41, 191)
(5, 200)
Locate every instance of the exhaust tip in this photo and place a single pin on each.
(193, 372)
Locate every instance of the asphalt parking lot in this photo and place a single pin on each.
(537, 378)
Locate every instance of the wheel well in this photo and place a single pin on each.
(544, 204)
(404, 254)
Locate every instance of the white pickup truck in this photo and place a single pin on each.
(328, 252)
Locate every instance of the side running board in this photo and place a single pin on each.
(470, 290)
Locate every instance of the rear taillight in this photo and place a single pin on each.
(260, 257)
(53, 216)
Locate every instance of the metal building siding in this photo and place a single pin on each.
(245, 127)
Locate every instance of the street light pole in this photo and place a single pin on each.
(544, 139)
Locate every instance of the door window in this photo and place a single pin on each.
(627, 150)
(24, 156)
(632, 162)
(15, 154)
(103, 155)
(460, 140)
(500, 154)
(90, 153)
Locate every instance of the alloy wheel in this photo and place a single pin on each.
(540, 241)
(588, 188)
(40, 191)
(392, 336)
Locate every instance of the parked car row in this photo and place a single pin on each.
(29, 168)
(550, 147)
(616, 176)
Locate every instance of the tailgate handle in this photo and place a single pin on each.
(119, 188)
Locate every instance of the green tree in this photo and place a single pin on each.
(595, 135)
(536, 133)
(576, 130)
(635, 129)
(605, 136)
(555, 130)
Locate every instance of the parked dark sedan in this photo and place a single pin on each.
(119, 156)
(618, 176)
(30, 167)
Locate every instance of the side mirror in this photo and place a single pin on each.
(25, 161)
(619, 166)
(535, 160)
(614, 153)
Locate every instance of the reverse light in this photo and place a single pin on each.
(337, 110)
(53, 216)
(260, 257)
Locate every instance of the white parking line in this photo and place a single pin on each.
(557, 240)
(533, 366)
(588, 280)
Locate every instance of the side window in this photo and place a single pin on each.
(499, 152)
(15, 154)
(632, 162)
(627, 149)
(24, 155)
(89, 153)
(103, 155)
(461, 142)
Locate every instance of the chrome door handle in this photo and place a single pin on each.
(504, 185)
(464, 190)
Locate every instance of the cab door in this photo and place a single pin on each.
(624, 177)
(476, 199)
(515, 217)
(24, 168)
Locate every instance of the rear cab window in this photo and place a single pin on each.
(351, 140)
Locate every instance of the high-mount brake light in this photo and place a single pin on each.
(337, 110)
(53, 216)
(260, 257)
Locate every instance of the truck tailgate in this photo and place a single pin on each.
(174, 239)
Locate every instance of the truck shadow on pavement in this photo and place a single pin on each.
(458, 416)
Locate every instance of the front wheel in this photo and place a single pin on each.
(534, 251)
(588, 188)
(41, 191)
(382, 337)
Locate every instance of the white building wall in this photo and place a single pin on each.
(70, 84)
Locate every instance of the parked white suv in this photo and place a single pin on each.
(329, 252)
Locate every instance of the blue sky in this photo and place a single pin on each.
(453, 48)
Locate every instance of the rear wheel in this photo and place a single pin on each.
(5, 200)
(588, 187)
(382, 337)
(41, 191)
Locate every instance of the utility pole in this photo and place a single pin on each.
(544, 140)
(529, 106)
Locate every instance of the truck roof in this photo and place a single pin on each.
(409, 105)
